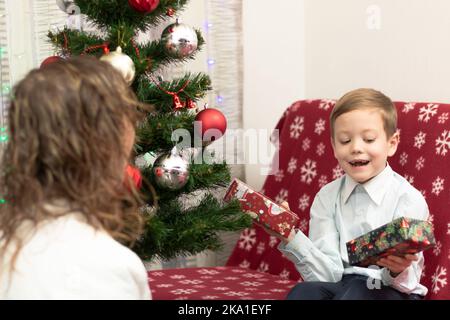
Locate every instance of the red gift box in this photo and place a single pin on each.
(262, 209)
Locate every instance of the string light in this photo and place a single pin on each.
(3, 135)
(2, 52)
(6, 88)
(207, 26)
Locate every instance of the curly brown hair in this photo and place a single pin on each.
(66, 127)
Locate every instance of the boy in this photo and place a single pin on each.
(363, 135)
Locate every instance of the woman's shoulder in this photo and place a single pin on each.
(75, 259)
(69, 239)
(73, 235)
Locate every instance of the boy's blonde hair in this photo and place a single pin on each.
(370, 99)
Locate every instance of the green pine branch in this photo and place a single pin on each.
(147, 58)
(155, 51)
(206, 175)
(202, 176)
(191, 231)
(75, 42)
(149, 92)
(108, 13)
(155, 134)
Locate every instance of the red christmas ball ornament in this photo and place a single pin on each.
(135, 176)
(144, 6)
(50, 60)
(159, 172)
(211, 119)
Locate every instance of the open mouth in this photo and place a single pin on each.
(359, 163)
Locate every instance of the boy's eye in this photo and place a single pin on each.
(370, 140)
(345, 141)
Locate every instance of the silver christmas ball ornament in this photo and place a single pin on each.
(68, 6)
(179, 40)
(123, 63)
(171, 171)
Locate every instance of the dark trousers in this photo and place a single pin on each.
(351, 287)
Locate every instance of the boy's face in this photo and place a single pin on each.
(361, 145)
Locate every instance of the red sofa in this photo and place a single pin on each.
(257, 270)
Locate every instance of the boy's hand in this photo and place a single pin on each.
(277, 235)
(397, 265)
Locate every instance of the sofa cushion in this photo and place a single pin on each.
(220, 283)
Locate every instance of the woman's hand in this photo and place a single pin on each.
(397, 265)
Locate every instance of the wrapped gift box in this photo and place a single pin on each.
(262, 209)
(399, 237)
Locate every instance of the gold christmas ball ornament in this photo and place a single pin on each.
(179, 40)
(123, 63)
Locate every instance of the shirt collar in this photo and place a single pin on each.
(349, 186)
(375, 188)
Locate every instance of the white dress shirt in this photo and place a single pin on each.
(66, 258)
(344, 210)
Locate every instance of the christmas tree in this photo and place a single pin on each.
(177, 175)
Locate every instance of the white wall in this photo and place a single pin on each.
(401, 47)
(19, 38)
(273, 65)
(407, 57)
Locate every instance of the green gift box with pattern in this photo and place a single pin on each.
(399, 237)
